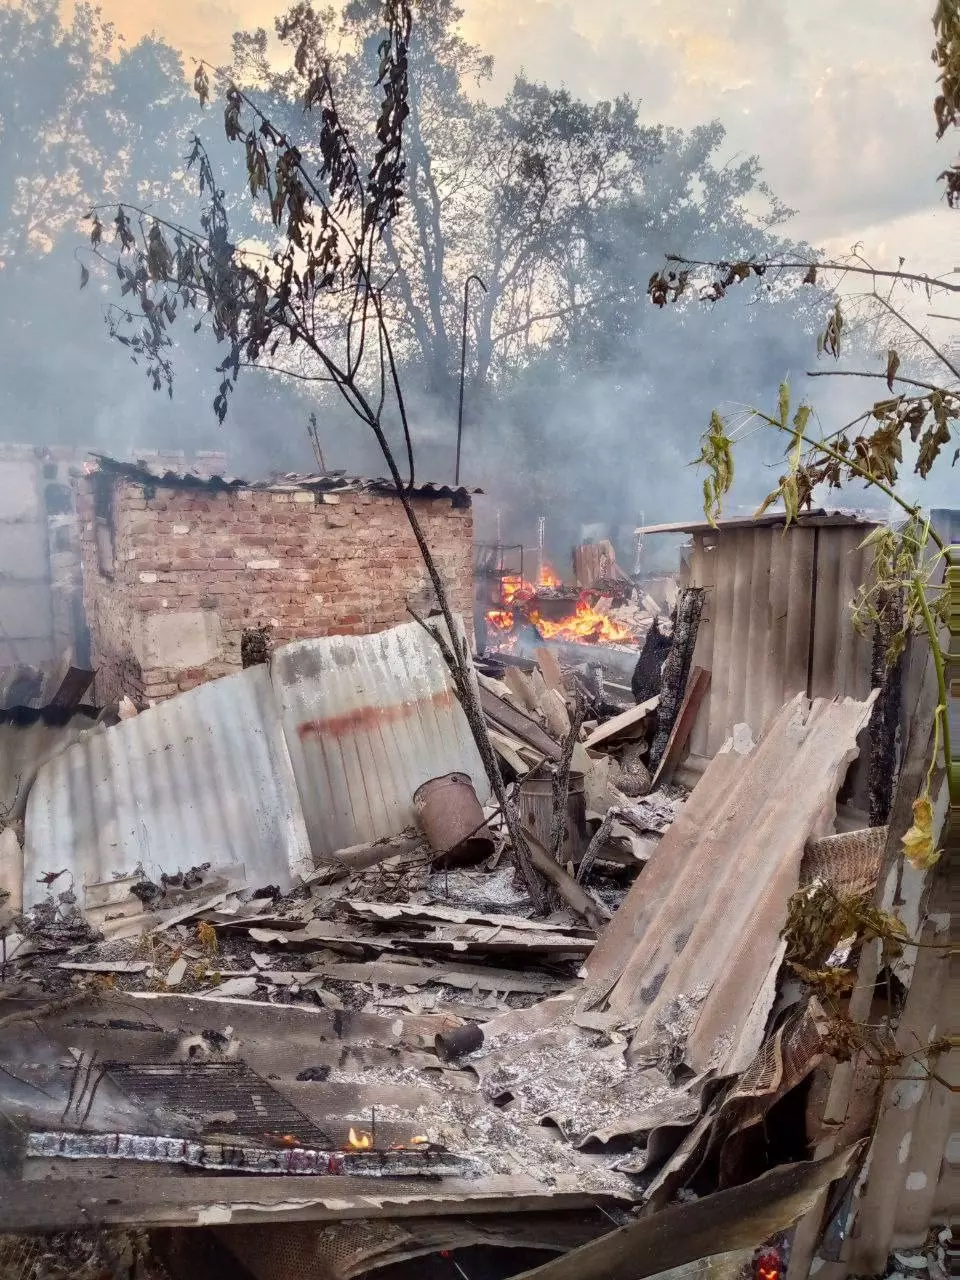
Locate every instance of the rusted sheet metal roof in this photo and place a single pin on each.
(367, 720)
(776, 622)
(819, 518)
(204, 777)
(144, 471)
(689, 962)
(705, 917)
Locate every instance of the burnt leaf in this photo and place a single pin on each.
(201, 84)
(893, 364)
(84, 276)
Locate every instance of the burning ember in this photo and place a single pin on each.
(359, 1141)
(548, 578)
(767, 1266)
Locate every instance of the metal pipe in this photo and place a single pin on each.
(463, 365)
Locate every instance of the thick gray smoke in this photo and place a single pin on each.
(590, 419)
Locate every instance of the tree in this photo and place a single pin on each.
(82, 118)
(530, 194)
(327, 223)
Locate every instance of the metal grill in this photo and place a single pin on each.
(222, 1097)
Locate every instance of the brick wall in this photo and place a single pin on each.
(191, 569)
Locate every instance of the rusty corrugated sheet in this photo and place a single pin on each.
(703, 922)
(776, 622)
(367, 720)
(204, 777)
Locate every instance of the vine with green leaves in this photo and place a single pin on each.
(910, 557)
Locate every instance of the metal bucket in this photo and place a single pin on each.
(452, 819)
(536, 814)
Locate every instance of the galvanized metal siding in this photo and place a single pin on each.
(776, 623)
(204, 777)
(367, 719)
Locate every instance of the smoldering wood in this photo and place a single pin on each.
(515, 722)
(596, 844)
(695, 692)
(676, 669)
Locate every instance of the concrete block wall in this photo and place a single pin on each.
(188, 570)
(41, 614)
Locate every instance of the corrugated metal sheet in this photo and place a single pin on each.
(818, 518)
(367, 720)
(776, 622)
(205, 777)
(946, 521)
(356, 723)
(25, 748)
(706, 926)
(144, 471)
(690, 960)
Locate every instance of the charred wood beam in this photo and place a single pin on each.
(676, 669)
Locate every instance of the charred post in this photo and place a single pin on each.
(676, 669)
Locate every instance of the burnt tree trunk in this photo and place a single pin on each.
(886, 674)
(676, 669)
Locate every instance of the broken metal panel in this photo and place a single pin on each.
(345, 1250)
(712, 901)
(740, 1218)
(212, 1200)
(203, 778)
(368, 719)
(186, 476)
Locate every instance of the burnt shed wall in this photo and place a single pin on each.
(776, 622)
(173, 576)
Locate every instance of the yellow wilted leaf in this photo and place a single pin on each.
(783, 403)
(919, 847)
(207, 937)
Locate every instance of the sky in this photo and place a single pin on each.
(835, 99)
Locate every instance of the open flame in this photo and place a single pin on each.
(585, 624)
(514, 588)
(501, 619)
(767, 1266)
(359, 1141)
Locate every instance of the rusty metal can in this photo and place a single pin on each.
(452, 820)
